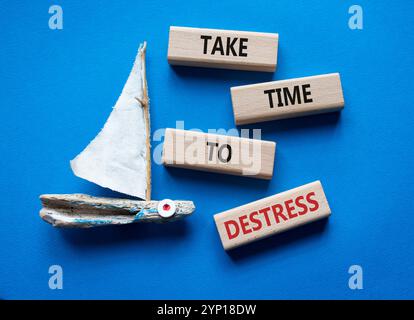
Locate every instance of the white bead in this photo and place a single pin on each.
(166, 212)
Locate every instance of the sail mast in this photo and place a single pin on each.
(119, 157)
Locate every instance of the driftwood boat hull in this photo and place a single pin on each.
(84, 211)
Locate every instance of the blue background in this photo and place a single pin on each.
(57, 90)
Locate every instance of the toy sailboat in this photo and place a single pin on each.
(119, 158)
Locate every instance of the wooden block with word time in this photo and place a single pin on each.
(219, 153)
(287, 98)
(226, 49)
(272, 215)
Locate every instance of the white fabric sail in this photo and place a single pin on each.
(119, 156)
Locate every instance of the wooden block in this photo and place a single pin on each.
(272, 215)
(219, 153)
(213, 48)
(287, 98)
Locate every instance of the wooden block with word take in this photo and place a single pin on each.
(226, 49)
(287, 98)
(218, 153)
(272, 215)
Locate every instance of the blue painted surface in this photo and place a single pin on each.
(94, 221)
(58, 87)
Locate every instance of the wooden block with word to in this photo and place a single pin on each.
(271, 215)
(226, 49)
(287, 98)
(219, 153)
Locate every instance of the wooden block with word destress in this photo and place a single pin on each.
(226, 49)
(219, 153)
(271, 215)
(287, 98)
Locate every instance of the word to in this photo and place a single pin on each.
(218, 153)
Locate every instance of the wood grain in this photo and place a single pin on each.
(271, 215)
(242, 50)
(219, 153)
(84, 211)
(287, 98)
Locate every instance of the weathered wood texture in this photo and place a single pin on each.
(84, 211)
